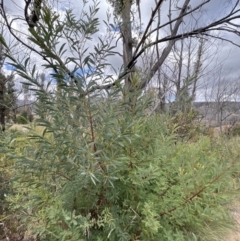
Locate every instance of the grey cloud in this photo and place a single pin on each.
(213, 10)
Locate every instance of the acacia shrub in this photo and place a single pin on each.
(186, 124)
(99, 168)
(132, 182)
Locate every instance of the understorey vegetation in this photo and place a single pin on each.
(110, 175)
(95, 162)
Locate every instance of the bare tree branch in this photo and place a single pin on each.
(167, 50)
(175, 19)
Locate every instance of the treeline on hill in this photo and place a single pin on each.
(100, 162)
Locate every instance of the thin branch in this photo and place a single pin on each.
(167, 50)
(235, 6)
(174, 37)
(154, 12)
(223, 39)
(195, 32)
(175, 19)
(200, 190)
(33, 49)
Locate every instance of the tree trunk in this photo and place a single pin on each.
(2, 118)
(126, 30)
(168, 48)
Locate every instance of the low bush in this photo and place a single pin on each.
(185, 124)
(132, 183)
(24, 117)
(234, 130)
(21, 120)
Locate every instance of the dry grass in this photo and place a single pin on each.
(234, 235)
(18, 127)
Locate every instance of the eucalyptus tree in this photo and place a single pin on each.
(179, 12)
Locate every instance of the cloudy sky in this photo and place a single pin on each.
(223, 54)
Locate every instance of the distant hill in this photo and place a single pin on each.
(215, 113)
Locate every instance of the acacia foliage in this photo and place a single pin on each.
(105, 174)
(96, 167)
